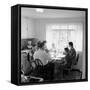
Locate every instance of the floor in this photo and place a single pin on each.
(72, 75)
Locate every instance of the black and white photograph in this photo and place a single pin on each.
(44, 44)
(52, 45)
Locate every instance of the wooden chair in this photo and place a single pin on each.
(36, 65)
(71, 69)
(29, 77)
(74, 64)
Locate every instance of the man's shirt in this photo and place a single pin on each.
(72, 53)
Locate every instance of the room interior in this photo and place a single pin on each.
(55, 26)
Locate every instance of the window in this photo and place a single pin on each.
(61, 34)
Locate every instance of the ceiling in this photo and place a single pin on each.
(51, 13)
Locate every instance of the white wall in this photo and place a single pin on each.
(27, 28)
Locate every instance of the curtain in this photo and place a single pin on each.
(61, 34)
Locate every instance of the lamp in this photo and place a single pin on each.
(40, 10)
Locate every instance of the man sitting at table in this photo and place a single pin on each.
(72, 52)
(45, 58)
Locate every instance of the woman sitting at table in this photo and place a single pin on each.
(45, 58)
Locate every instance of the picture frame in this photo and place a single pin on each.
(16, 40)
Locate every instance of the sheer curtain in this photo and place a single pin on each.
(61, 34)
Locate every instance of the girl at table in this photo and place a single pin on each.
(68, 61)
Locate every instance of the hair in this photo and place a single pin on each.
(40, 44)
(66, 49)
(71, 44)
(44, 42)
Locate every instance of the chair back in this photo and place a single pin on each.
(77, 58)
(38, 62)
(25, 64)
(35, 63)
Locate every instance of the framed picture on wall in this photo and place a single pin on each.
(48, 44)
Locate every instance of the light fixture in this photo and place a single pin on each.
(40, 10)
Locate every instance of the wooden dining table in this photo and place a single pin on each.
(59, 63)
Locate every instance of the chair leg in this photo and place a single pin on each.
(66, 73)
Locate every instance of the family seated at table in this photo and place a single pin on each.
(41, 52)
